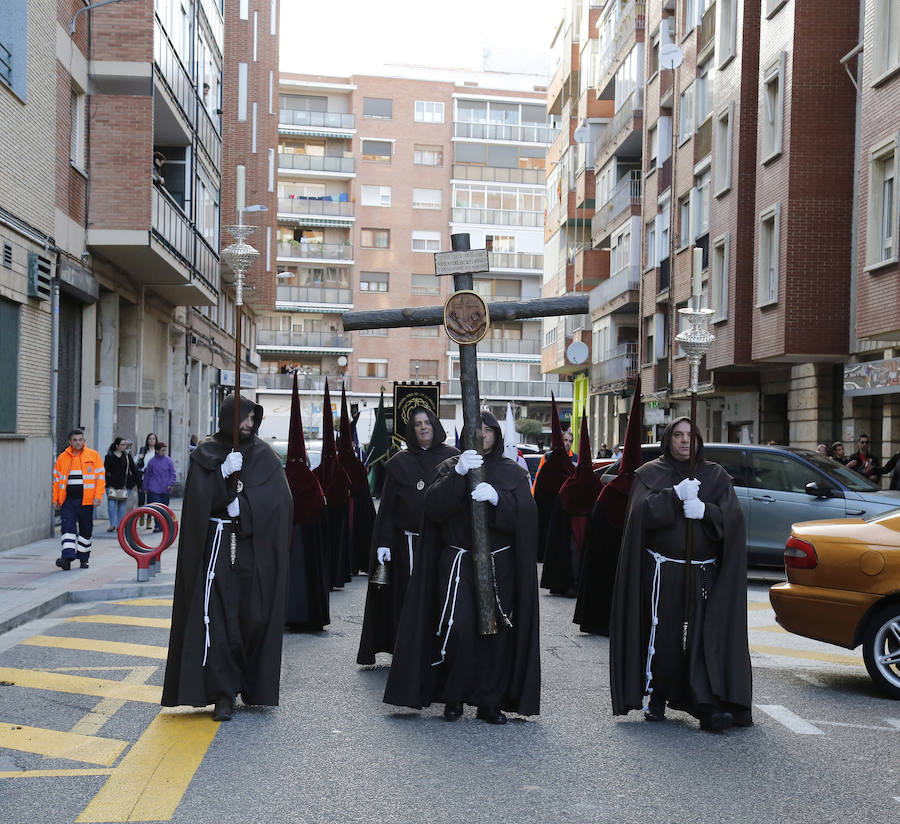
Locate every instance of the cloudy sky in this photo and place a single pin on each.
(342, 37)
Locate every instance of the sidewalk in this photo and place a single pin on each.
(31, 585)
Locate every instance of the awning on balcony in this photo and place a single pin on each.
(312, 131)
(316, 220)
(266, 349)
(485, 354)
(324, 308)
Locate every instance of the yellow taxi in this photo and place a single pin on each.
(843, 588)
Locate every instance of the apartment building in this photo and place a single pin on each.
(374, 174)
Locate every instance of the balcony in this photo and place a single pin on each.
(496, 217)
(344, 167)
(312, 294)
(618, 368)
(631, 21)
(662, 283)
(305, 383)
(514, 132)
(622, 135)
(707, 32)
(514, 390)
(620, 289)
(703, 140)
(302, 250)
(625, 198)
(490, 174)
(310, 211)
(516, 260)
(524, 346)
(333, 124)
(288, 341)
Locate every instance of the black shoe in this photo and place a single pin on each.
(111, 529)
(64, 564)
(224, 709)
(84, 564)
(452, 712)
(715, 720)
(742, 718)
(491, 714)
(656, 709)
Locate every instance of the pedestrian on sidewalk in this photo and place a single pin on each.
(159, 478)
(121, 478)
(148, 450)
(79, 480)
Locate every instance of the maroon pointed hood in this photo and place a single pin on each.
(309, 501)
(332, 477)
(556, 438)
(579, 492)
(614, 497)
(557, 465)
(349, 460)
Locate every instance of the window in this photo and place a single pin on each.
(76, 129)
(375, 238)
(428, 111)
(242, 91)
(426, 198)
(423, 370)
(686, 114)
(652, 148)
(650, 235)
(722, 150)
(701, 204)
(14, 46)
(371, 368)
(684, 222)
(375, 196)
(500, 243)
(428, 155)
(380, 108)
(379, 151)
(373, 281)
(425, 285)
(663, 218)
(620, 251)
(769, 228)
(773, 106)
(689, 17)
(718, 280)
(703, 92)
(9, 363)
(887, 37)
(881, 236)
(426, 241)
(374, 333)
(725, 30)
(424, 332)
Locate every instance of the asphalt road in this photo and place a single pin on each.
(82, 738)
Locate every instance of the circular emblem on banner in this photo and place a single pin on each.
(466, 317)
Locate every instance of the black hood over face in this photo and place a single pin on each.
(226, 415)
(667, 438)
(489, 420)
(412, 442)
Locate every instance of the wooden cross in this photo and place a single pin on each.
(460, 317)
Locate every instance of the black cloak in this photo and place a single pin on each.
(246, 601)
(501, 670)
(718, 662)
(400, 511)
(555, 467)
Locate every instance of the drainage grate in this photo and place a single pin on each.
(19, 589)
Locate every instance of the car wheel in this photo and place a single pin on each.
(881, 649)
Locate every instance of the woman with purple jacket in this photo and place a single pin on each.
(159, 478)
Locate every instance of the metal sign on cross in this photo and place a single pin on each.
(466, 326)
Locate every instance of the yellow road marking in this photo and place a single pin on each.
(145, 602)
(58, 744)
(97, 645)
(827, 657)
(81, 685)
(768, 628)
(152, 778)
(759, 605)
(52, 773)
(125, 620)
(91, 723)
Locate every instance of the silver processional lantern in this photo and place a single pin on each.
(696, 339)
(240, 256)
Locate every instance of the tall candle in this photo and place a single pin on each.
(698, 273)
(240, 194)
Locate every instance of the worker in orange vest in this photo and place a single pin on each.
(79, 481)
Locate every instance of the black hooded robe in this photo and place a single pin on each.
(562, 556)
(399, 512)
(309, 581)
(438, 661)
(245, 601)
(602, 540)
(717, 670)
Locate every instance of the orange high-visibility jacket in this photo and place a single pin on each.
(93, 474)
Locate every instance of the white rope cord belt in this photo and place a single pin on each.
(453, 583)
(211, 574)
(654, 613)
(409, 543)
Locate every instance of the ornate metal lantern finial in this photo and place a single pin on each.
(240, 256)
(696, 339)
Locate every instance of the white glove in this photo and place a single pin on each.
(469, 459)
(232, 463)
(687, 490)
(485, 492)
(234, 508)
(383, 553)
(694, 509)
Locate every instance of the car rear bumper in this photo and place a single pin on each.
(830, 615)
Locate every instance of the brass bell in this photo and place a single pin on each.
(381, 576)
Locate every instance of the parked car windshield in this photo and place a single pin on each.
(848, 477)
(882, 516)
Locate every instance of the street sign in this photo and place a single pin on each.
(461, 263)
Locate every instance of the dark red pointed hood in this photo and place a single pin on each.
(353, 466)
(332, 477)
(557, 464)
(309, 501)
(579, 492)
(614, 497)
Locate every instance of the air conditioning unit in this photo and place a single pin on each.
(38, 276)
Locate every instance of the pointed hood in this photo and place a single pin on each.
(510, 450)
(579, 492)
(556, 465)
(309, 501)
(614, 497)
(349, 460)
(556, 438)
(332, 477)
(379, 446)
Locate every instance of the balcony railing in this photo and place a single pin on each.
(515, 132)
(707, 28)
(562, 390)
(663, 282)
(620, 365)
(317, 120)
(631, 19)
(319, 251)
(524, 346)
(212, 10)
(626, 194)
(5, 65)
(500, 217)
(626, 280)
(316, 163)
(174, 74)
(210, 139)
(174, 230)
(314, 294)
(516, 260)
(304, 382)
(631, 108)
(662, 375)
(528, 292)
(318, 340)
(703, 140)
(314, 206)
(491, 174)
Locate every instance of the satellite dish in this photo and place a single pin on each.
(577, 352)
(342, 360)
(670, 56)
